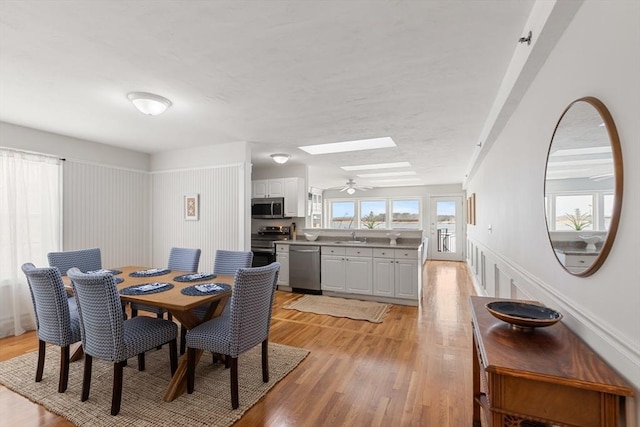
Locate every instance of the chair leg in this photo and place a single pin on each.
(191, 369)
(134, 311)
(159, 315)
(42, 349)
(141, 361)
(116, 396)
(183, 339)
(86, 378)
(265, 361)
(235, 401)
(64, 369)
(173, 355)
(169, 316)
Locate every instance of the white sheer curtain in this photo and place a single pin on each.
(30, 218)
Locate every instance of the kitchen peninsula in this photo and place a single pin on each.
(360, 264)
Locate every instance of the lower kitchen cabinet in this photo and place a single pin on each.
(332, 273)
(347, 270)
(282, 256)
(406, 276)
(396, 273)
(358, 273)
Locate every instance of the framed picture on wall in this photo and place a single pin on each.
(191, 208)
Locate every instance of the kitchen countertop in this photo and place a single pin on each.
(577, 252)
(371, 243)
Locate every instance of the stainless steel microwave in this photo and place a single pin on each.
(267, 208)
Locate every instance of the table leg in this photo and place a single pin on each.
(178, 384)
(78, 353)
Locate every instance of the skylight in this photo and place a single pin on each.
(376, 166)
(342, 147)
(381, 174)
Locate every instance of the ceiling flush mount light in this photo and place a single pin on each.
(280, 158)
(341, 147)
(149, 103)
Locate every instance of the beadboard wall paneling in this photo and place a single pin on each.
(223, 209)
(109, 208)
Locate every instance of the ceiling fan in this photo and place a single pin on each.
(350, 187)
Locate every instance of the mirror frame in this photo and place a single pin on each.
(616, 152)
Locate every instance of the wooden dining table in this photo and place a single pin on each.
(179, 305)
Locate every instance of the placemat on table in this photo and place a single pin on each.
(205, 289)
(195, 277)
(150, 273)
(105, 270)
(146, 288)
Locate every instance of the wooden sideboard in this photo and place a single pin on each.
(544, 377)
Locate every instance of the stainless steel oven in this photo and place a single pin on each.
(263, 244)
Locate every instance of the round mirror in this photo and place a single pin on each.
(583, 186)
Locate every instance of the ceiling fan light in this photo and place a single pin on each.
(149, 103)
(351, 190)
(280, 158)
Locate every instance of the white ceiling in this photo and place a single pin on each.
(278, 74)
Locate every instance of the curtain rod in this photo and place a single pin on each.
(16, 150)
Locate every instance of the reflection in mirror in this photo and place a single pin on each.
(583, 186)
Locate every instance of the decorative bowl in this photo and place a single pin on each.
(522, 315)
(311, 237)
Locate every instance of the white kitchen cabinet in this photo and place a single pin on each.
(332, 273)
(268, 188)
(295, 197)
(396, 273)
(282, 256)
(384, 279)
(406, 276)
(359, 275)
(346, 269)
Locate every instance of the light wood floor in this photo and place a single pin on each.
(414, 369)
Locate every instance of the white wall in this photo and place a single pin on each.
(598, 55)
(220, 175)
(106, 194)
(130, 203)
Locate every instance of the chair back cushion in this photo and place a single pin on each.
(251, 306)
(100, 311)
(184, 259)
(228, 262)
(54, 321)
(84, 259)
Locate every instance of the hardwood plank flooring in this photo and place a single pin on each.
(414, 369)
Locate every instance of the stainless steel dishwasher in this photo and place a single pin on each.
(304, 268)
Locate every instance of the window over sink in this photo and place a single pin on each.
(374, 213)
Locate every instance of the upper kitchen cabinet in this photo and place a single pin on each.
(292, 189)
(295, 196)
(268, 188)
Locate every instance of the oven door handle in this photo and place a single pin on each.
(263, 251)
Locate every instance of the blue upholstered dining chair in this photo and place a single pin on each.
(225, 263)
(83, 259)
(105, 335)
(246, 326)
(184, 259)
(57, 319)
